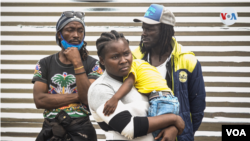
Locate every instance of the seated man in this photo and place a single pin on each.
(60, 78)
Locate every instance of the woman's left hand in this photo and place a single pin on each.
(73, 55)
(168, 134)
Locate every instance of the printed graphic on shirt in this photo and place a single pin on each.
(96, 70)
(63, 83)
(58, 90)
(183, 76)
(75, 110)
(37, 72)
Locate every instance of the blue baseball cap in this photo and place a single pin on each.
(157, 14)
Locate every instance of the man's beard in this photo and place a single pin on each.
(146, 49)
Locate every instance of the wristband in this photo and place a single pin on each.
(78, 68)
(80, 73)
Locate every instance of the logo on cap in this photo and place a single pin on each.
(154, 12)
(150, 11)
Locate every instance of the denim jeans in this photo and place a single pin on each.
(163, 105)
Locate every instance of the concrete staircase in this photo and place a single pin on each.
(28, 34)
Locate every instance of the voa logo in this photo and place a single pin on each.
(236, 132)
(228, 16)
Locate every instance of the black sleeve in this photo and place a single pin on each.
(116, 123)
(140, 126)
(40, 73)
(92, 68)
(140, 123)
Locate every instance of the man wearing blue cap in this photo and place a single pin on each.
(181, 70)
(61, 82)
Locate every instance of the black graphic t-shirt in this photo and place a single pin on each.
(60, 79)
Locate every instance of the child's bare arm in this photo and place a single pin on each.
(111, 104)
(126, 87)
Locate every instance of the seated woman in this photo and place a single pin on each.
(129, 120)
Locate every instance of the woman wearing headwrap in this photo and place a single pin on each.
(60, 78)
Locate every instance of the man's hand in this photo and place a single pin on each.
(73, 55)
(110, 106)
(180, 125)
(168, 134)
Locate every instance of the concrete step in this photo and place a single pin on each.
(213, 94)
(25, 134)
(207, 79)
(33, 62)
(207, 84)
(133, 38)
(203, 127)
(234, 112)
(208, 49)
(198, 138)
(233, 74)
(228, 59)
(15, 86)
(177, 33)
(197, 53)
(125, 30)
(122, 24)
(39, 125)
(209, 128)
(134, 43)
(131, 14)
(119, 21)
(192, 11)
(127, 4)
(7, 138)
(56, 10)
(202, 137)
(211, 103)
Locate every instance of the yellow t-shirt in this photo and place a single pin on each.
(147, 77)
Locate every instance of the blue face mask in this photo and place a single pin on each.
(66, 45)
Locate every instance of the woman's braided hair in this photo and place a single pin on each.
(166, 34)
(105, 39)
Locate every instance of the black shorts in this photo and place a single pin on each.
(80, 130)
